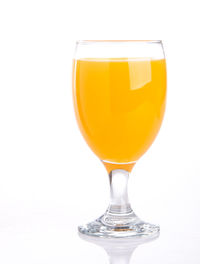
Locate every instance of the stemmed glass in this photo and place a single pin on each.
(119, 93)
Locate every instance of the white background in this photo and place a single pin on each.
(50, 181)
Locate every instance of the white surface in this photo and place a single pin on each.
(49, 179)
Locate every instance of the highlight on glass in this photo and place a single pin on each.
(119, 93)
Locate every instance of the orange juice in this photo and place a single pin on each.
(119, 105)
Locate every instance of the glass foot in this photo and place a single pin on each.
(110, 226)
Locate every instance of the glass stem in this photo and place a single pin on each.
(119, 202)
(119, 214)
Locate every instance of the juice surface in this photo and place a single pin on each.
(119, 105)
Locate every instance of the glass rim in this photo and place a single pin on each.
(86, 42)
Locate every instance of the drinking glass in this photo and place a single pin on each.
(119, 93)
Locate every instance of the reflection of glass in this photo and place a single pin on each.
(119, 250)
(119, 98)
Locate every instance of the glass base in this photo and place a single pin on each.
(116, 226)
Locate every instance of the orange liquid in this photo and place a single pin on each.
(119, 105)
